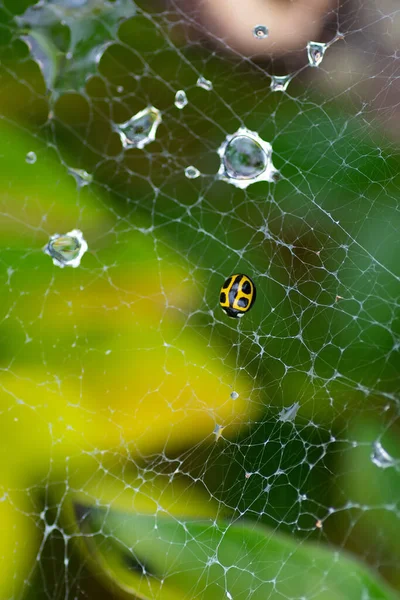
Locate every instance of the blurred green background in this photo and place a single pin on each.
(116, 375)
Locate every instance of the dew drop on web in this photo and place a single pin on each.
(206, 84)
(245, 159)
(180, 99)
(191, 172)
(289, 413)
(234, 395)
(218, 429)
(260, 32)
(140, 129)
(31, 158)
(315, 53)
(279, 83)
(380, 457)
(81, 176)
(67, 250)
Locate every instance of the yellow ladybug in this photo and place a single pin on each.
(237, 295)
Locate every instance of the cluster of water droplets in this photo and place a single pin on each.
(245, 158)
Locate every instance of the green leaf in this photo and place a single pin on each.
(180, 409)
(368, 481)
(172, 557)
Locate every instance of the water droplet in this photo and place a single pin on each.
(276, 176)
(141, 129)
(234, 395)
(260, 32)
(218, 429)
(66, 250)
(245, 159)
(180, 99)
(206, 84)
(289, 413)
(30, 158)
(380, 457)
(315, 52)
(191, 172)
(279, 83)
(81, 176)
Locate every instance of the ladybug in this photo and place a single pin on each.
(237, 295)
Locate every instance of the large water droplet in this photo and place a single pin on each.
(381, 458)
(180, 99)
(289, 413)
(245, 159)
(206, 84)
(30, 158)
(260, 32)
(141, 129)
(315, 52)
(234, 395)
(191, 172)
(66, 250)
(279, 83)
(81, 176)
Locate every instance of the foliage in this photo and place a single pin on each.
(111, 387)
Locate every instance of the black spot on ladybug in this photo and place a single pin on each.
(246, 287)
(242, 302)
(226, 284)
(222, 297)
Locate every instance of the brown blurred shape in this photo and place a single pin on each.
(291, 23)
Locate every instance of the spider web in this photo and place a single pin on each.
(123, 376)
